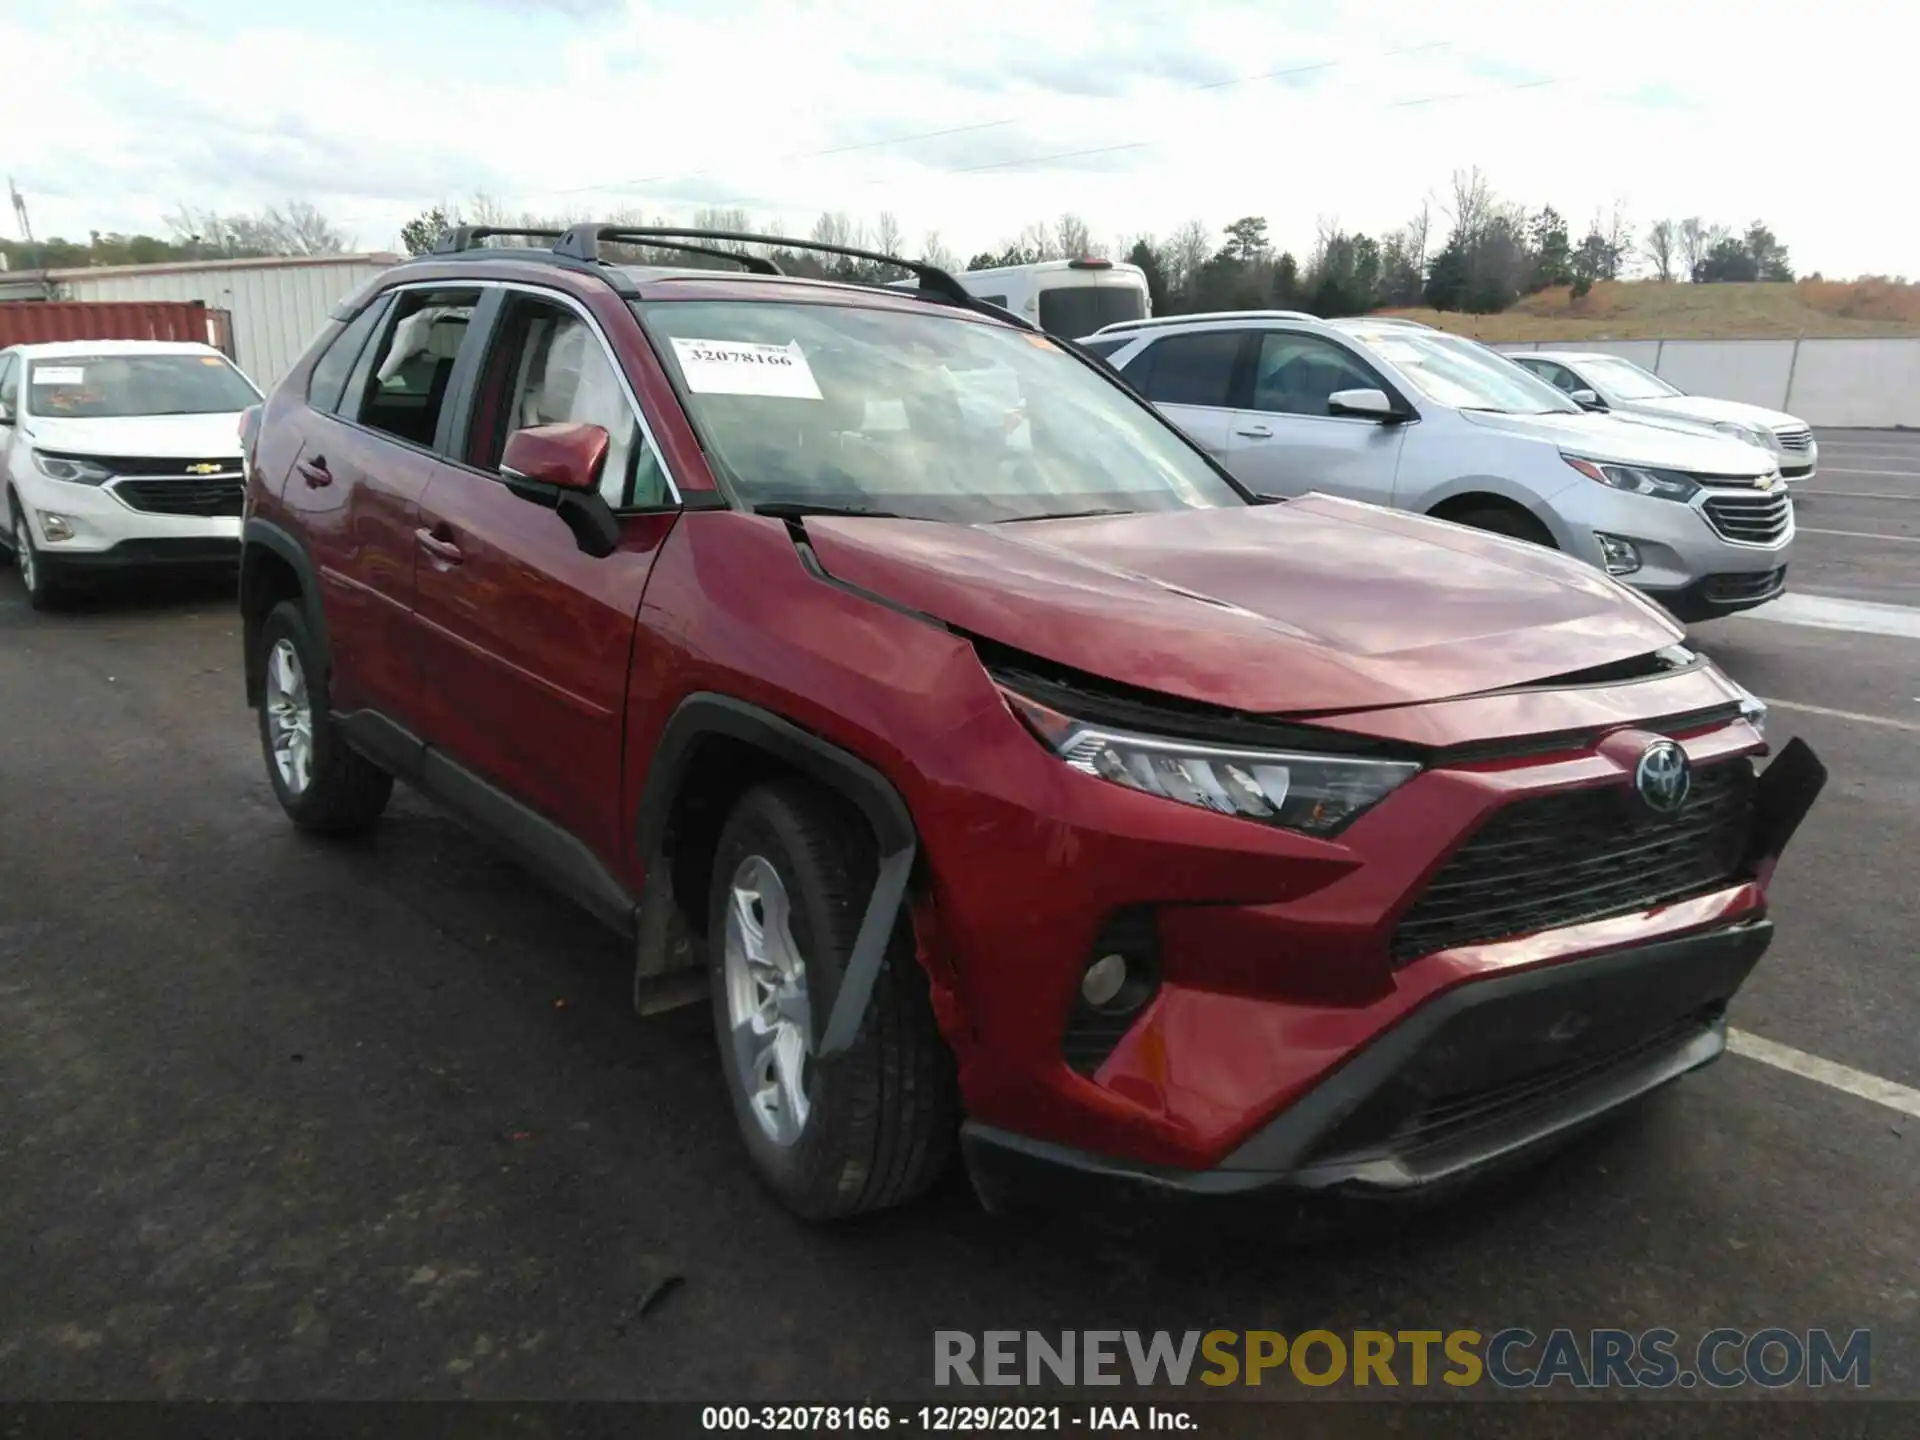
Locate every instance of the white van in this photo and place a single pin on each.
(1069, 298)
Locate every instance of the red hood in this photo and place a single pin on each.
(1317, 604)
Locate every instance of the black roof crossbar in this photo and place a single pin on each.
(757, 264)
(582, 242)
(470, 237)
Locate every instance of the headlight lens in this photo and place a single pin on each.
(74, 469)
(1752, 434)
(1637, 480)
(1316, 795)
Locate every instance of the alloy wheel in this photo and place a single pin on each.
(767, 1009)
(289, 718)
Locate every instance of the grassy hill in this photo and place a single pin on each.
(1647, 309)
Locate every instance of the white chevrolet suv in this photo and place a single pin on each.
(1619, 387)
(118, 455)
(1400, 414)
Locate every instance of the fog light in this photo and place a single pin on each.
(1620, 555)
(55, 527)
(1105, 978)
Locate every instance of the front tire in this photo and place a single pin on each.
(1512, 522)
(43, 593)
(325, 786)
(874, 1125)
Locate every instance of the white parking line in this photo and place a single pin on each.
(1824, 1072)
(1853, 715)
(1830, 612)
(1863, 535)
(1913, 499)
(1847, 470)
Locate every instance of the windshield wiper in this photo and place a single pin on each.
(795, 509)
(1063, 515)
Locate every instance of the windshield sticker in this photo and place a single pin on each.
(59, 375)
(739, 367)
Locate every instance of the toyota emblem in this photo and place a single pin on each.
(1663, 777)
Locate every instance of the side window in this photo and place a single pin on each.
(548, 366)
(1296, 373)
(328, 382)
(412, 363)
(1564, 379)
(1190, 369)
(1105, 348)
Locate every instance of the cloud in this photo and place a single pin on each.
(1138, 115)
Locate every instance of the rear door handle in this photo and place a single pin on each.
(315, 472)
(445, 551)
(1256, 432)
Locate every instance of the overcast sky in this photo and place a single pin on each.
(1137, 114)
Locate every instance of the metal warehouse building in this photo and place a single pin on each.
(275, 305)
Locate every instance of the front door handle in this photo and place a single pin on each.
(315, 472)
(443, 550)
(1256, 432)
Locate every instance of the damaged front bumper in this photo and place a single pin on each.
(1484, 1075)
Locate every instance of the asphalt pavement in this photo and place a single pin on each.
(282, 1119)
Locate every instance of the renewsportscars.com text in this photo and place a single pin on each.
(1512, 1358)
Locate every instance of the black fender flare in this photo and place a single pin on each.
(705, 714)
(263, 535)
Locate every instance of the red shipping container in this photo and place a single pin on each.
(29, 322)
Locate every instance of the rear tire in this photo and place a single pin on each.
(873, 1126)
(1503, 520)
(325, 785)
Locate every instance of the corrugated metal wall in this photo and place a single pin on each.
(277, 306)
(31, 322)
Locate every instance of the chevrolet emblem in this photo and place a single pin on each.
(205, 467)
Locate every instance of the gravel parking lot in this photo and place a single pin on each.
(284, 1120)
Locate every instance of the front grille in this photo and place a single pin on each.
(1759, 518)
(221, 496)
(166, 464)
(1565, 859)
(1794, 437)
(1755, 585)
(1795, 472)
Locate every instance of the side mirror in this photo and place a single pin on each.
(567, 457)
(6, 414)
(1366, 404)
(559, 466)
(1587, 399)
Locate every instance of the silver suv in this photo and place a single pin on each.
(1400, 414)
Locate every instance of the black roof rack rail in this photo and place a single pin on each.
(470, 237)
(582, 242)
(757, 264)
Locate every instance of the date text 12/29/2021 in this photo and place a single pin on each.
(944, 1419)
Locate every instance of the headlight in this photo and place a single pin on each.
(1752, 434)
(1315, 794)
(1636, 480)
(74, 469)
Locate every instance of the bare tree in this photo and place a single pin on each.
(1661, 247)
(1416, 236)
(1620, 241)
(1072, 237)
(1187, 251)
(887, 238)
(934, 251)
(1694, 244)
(832, 228)
(1472, 204)
(296, 228)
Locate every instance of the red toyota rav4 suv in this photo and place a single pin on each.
(1005, 772)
